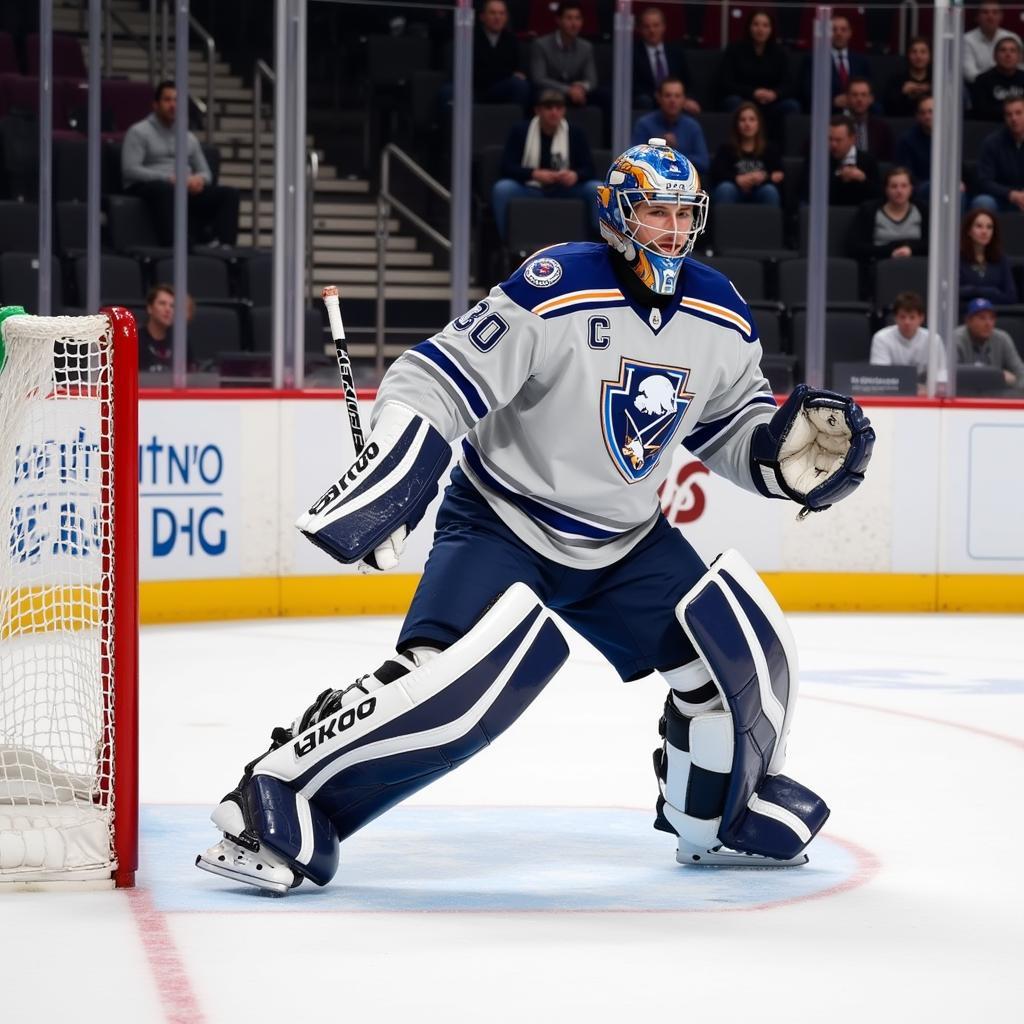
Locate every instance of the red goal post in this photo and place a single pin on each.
(68, 600)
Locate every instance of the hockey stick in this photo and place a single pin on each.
(348, 385)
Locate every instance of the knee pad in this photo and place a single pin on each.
(370, 755)
(719, 771)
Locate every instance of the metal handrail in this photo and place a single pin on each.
(313, 172)
(211, 59)
(385, 202)
(261, 70)
(207, 108)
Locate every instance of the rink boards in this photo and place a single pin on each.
(222, 477)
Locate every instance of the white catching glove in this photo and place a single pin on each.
(385, 556)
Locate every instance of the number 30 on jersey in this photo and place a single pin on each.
(485, 328)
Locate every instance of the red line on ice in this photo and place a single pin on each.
(179, 1001)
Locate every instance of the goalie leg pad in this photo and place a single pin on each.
(369, 756)
(390, 484)
(742, 637)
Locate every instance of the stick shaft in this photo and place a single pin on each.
(348, 386)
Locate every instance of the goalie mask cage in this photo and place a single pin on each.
(68, 600)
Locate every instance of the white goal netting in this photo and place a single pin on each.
(56, 599)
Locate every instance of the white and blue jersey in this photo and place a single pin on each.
(571, 397)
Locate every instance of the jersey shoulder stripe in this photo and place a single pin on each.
(711, 296)
(579, 267)
(428, 351)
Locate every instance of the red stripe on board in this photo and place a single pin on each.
(179, 1001)
(987, 733)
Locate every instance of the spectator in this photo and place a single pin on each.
(846, 65)
(563, 61)
(498, 73)
(994, 87)
(155, 333)
(853, 173)
(756, 70)
(669, 122)
(747, 169)
(980, 343)
(547, 157)
(873, 134)
(980, 42)
(1001, 163)
(147, 165)
(914, 151)
(654, 60)
(913, 82)
(892, 227)
(984, 271)
(905, 343)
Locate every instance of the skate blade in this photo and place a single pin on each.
(695, 857)
(266, 884)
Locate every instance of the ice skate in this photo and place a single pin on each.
(722, 856)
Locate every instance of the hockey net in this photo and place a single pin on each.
(68, 599)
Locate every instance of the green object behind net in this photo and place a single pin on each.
(5, 312)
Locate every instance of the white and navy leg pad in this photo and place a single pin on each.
(390, 484)
(368, 756)
(287, 823)
(742, 636)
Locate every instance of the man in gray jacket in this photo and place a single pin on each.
(980, 343)
(147, 166)
(565, 62)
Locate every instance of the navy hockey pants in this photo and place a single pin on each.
(625, 610)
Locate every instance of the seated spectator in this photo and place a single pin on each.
(914, 147)
(994, 87)
(498, 72)
(747, 169)
(846, 65)
(892, 227)
(654, 60)
(873, 134)
(912, 82)
(147, 166)
(756, 70)
(548, 157)
(156, 352)
(905, 343)
(669, 122)
(564, 62)
(984, 270)
(980, 42)
(980, 343)
(1001, 163)
(853, 173)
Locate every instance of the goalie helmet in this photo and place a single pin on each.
(652, 173)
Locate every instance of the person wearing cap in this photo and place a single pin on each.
(545, 157)
(678, 129)
(980, 343)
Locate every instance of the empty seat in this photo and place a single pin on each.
(842, 281)
(847, 340)
(120, 279)
(536, 223)
(19, 281)
(590, 121)
(213, 330)
(130, 226)
(904, 275)
(717, 129)
(207, 276)
(769, 330)
(19, 226)
(839, 220)
(258, 278)
(746, 274)
(68, 61)
(973, 135)
(70, 170)
(8, 56)
(796, 131)
(124, 103)
(742, 228)
(71, 224)
(492, 123)
(1011, 229)
(263, 327)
